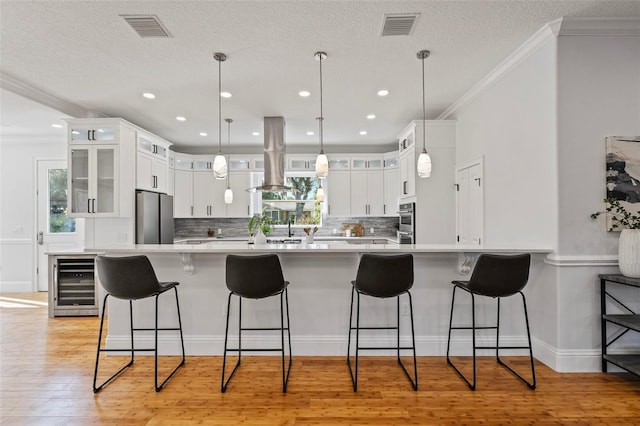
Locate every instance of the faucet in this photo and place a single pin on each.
(289, 224)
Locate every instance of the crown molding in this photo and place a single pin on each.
(550, 31)
(28, 91)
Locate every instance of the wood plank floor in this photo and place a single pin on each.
(47, 369)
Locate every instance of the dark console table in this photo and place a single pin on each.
(625, 322)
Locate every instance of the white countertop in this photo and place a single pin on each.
(224, 247)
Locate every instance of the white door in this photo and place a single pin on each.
(469, 204)
(54, 229)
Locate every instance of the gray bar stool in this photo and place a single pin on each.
(382, 276)
(256, 277)
(133, 278)
(495, 276)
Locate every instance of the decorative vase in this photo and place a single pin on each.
(629, 253)
(260, 238)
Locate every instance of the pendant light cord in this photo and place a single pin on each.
(424, 110)
(220, 107)
(228, 120)
(321, 118)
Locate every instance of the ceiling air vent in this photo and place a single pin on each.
(399, 24)
(147, 25)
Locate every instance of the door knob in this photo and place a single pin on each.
(40, 238)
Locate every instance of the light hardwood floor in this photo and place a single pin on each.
(47, 370)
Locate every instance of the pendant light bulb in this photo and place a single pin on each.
(228, 193)
(220, 162)
(424, 159)
(320, 194)
(322, 162)
(228, 196)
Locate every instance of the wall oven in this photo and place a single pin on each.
(407, 223)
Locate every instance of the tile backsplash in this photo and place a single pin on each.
(197, 228)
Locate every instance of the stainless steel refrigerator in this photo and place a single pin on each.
(154, 218)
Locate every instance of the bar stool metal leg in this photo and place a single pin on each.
(223, 386)
(471, 384)
(182, 361)
(532, 384)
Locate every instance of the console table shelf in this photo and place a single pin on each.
(627, 321)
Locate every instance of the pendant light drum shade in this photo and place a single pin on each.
(220, 162)
(424, 159)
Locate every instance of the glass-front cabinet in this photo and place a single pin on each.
(92, 132)
(93, 180)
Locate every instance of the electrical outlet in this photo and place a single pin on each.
(404, 309)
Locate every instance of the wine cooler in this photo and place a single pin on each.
(74, 289)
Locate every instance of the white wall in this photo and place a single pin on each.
(17, 208)
(598, 96)
(540, 126)
(511, 125)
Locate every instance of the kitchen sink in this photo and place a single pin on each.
(284, 240)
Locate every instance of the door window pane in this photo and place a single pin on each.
(59, 222)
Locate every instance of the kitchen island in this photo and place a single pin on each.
(319, 296)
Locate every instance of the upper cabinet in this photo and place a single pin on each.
(152, 166)
(101, 158)
(363, 162)
(301, 162)
(93, 181)
(339, 161)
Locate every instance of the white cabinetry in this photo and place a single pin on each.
(101, 160)
(208, 195)
(367, 195)
(434, 196)
(368, 162)
(239, 182)
(469, 210)
(301, 162)
(339, 193)
(339, 162)
(183, 194)
(152, 169)
(93, 180)
(391, 184)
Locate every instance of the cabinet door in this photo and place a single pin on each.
(91, 132)
(375, 193)
(391, 193)
(469, 205)
(339, 193)
(202, 193)
(159, 173)
(359, 200)
(144, 172)
(408, 174)
(93, 180)
(239, 182)
(183, 194)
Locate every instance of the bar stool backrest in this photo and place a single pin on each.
(128, 278)
(500, 275)
(384, 276)
(254, 277)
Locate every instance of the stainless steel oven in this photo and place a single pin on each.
(407, 223)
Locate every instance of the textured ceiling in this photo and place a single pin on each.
(83, 55)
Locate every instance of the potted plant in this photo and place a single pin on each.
(629, 243)
(259, 226)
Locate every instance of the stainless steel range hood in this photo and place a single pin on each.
(274, 156)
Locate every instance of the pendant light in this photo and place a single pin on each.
(228, 193)
(220, 162)
(322, 163)
(424, 159)
(320, 193)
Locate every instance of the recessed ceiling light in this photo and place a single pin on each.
(255, 134)
(383, 92)
(57, 126)
(225, 94)
(180, 118)
(149, 95)
(309, 133)
(304, 93)
(363, 132)
(371, 116)
(203, 134)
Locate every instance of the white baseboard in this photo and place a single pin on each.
(16, 286)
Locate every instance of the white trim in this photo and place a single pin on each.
(15, 241)
(581, 260)
(550, 31)
(21, 88)
(16, 286)
(599, 27)
(529, 47)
